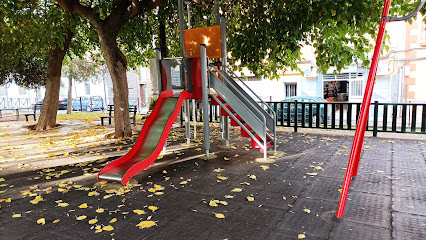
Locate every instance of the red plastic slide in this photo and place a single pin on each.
(150, 142)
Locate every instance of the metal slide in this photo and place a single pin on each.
(150, 142)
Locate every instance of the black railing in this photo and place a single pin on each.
(383, 117)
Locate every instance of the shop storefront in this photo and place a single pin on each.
(343, 87)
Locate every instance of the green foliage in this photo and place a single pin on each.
(81, 69)
(29, 30)
(266, 36)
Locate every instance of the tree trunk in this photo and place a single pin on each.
(49, 110)
(69, 100)
(117, 66)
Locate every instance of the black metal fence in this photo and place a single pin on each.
(383, 117)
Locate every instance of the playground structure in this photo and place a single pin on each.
(193, 77)
(353, 163)
(198, 78)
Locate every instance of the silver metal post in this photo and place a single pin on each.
(221, 126)
(194, 118)
(181, 27)
(204, 84)
(187, 123)
(223, 40)
(226, 130)
(164, 148)
(188, 9)
(216, 11)
(159, 73)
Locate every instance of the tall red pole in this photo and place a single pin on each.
(363, 117)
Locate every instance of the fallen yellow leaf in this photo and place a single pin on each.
(84, 205)
(264, 167)
(100, 210)
(113, 220)
(212, 203)
(92, 193)
(306, 210)
(146, 224)
(41, 221)
(16, 215)
(237, 190)
(63, 204)
(219, 215)
(301, 236)
(153, 208)
(139, 212)
(221, 177)
(79, 218)
(108, 228)
(93, 221)
(250, 199)
(36, 200)
(56, 221)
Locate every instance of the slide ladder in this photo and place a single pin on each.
(256, 122)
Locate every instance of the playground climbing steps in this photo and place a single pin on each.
(244, 111)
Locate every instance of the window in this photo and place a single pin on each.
(87, 88)
(290, 89)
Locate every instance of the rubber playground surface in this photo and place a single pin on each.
(49, 190)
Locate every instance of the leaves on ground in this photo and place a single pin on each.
(93, 221)
(146, 224)
(108, 228)
(79, 218)
(62, 204)
(153, 208)
(237, 190)
(41, 221)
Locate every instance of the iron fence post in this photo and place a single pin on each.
(295, 116)
(376, 115)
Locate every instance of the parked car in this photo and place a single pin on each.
(63, 103)
(304, 99)
(87, 103)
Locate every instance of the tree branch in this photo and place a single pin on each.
(75, 7)
(141, 6)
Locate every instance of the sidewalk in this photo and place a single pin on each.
(184, 196)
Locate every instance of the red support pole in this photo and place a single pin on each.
(363, 117)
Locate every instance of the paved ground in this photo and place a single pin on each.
(180, 193)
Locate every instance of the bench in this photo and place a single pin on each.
(36, 107)
(10, 109)
(132, 109)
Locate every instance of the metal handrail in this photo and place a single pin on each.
(274, 118)
(263, 116)
(269, 107)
